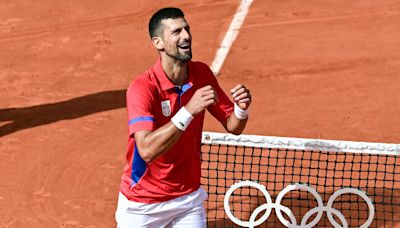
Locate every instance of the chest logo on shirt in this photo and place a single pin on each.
(166, 107)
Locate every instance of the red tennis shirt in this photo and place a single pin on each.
(152, 100)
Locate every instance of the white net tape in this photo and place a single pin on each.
(300, 143)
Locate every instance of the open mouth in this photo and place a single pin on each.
(184, 46)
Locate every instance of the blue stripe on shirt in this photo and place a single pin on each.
(141, 118)
(138, 166)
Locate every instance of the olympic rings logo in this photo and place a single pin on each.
(279, 208)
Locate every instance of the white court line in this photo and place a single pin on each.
(230, 36)
(317, 20)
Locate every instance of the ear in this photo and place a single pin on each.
(158, 43)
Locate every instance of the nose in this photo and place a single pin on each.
(186, 34)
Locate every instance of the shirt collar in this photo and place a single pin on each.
(165, 83)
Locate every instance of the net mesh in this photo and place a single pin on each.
(326, 170)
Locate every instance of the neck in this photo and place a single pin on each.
(175, 70)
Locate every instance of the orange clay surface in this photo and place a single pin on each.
(319, 69)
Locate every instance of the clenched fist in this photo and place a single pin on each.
(201, 99)
(241, 96)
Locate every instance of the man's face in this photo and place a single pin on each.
(177, 39)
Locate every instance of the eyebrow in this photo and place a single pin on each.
(176, 30)
(180, 28)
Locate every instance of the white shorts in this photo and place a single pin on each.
(184, 211)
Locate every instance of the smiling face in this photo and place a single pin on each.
(175, 39)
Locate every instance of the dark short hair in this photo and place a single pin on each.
(162, 14)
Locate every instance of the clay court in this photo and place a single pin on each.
(316, 69)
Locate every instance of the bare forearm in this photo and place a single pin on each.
(155, 143)
(235, 125)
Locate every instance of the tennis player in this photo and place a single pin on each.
(160, 185)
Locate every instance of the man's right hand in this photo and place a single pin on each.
(201, 99)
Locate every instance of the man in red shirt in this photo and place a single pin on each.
(160, 185)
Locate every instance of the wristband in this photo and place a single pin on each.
(182, 119)
(240, 113)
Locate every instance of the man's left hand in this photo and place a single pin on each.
(241, 96)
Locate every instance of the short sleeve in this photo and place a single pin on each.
(139, 103)
(224, 108)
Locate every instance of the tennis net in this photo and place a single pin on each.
(288, 168)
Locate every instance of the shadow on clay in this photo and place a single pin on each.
(27, 117)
